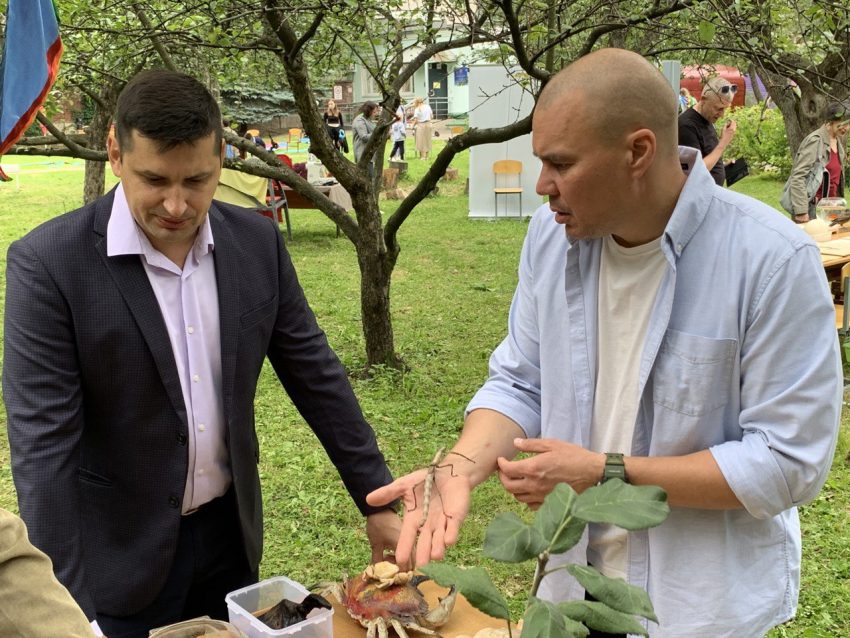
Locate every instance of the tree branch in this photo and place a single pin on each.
(79, 151)
(155, 40)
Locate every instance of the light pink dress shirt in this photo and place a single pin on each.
(188, 300)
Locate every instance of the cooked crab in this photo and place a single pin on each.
(383, 597)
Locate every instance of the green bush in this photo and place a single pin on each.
(761, 140)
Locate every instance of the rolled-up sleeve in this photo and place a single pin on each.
(791, 391)
(513, 387)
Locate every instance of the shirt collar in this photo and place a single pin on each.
(694, 200)
(124, 237)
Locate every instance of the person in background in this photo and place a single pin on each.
(818, 169)
(706, 390)
(696, 125)
(421, 120)
(686, 100)
(361, 130)
(32, 602)
(230, 151)
(334, 123)
(136, 329)
(398, 133)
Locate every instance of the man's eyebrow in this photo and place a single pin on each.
(151, 175)
(555, 158)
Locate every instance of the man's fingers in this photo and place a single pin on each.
(532, 445)
(396, 489)
(406, 541)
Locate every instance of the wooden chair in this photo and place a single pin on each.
(454, 131)
(294, 138)
(507, 172)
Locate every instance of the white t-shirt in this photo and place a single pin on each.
(629, 279)
(422, 113)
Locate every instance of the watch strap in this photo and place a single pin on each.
(615, 467)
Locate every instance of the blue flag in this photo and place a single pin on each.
(30, 62)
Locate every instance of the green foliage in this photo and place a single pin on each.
(761, 140)
(558, 526)
(475, 584)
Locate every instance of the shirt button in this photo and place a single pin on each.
(190, 329)
(173, 501)
(196, 377)
(181, 439)
(202, 427)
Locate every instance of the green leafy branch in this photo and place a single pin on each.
(557, 526)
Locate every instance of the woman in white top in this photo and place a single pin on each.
(422, 116)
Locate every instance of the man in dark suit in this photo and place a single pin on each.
(135, 332)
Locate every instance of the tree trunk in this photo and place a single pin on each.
(376, 269)
(95, 177)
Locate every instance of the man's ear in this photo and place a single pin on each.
(113, 152)
(642, 145)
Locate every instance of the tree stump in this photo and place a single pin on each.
(451, 174)
(390, 176)
(400, 165)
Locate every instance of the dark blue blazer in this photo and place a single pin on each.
(96, 419)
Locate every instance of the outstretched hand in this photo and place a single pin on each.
(432, 524)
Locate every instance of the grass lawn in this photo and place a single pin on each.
(451, 292)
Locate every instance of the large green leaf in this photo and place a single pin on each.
(627, 506)
(544, 620)
(601, 617)
(615, 593)
(510, 540)
(706, 31)
(474, 583)
(555, 521)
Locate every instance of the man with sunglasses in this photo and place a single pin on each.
(696, 125)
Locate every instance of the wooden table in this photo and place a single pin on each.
(465, 619)
(834, 254)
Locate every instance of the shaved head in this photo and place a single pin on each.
(618, 92)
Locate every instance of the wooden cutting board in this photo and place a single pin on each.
(464, 620)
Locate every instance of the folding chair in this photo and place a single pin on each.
(510, 171)
(294, 137)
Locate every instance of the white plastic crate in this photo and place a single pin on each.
(243, 602)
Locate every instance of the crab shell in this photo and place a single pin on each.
(378, 607)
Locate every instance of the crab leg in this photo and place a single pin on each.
(399, 628)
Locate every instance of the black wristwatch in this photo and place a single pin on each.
(615, 467)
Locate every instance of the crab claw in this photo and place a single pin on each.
(440, 614)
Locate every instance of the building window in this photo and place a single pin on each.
(371, 89)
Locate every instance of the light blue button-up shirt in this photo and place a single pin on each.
(741, 358)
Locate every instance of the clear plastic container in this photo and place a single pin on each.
(830, 209)
(243, 602)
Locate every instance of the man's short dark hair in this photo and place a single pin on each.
(368, 108)
(167, 107)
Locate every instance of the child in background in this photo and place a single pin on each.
(398, 135)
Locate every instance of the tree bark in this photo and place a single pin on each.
(802, 114)
(375, 278)
(95, 175)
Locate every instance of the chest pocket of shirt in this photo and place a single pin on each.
(692, 373)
